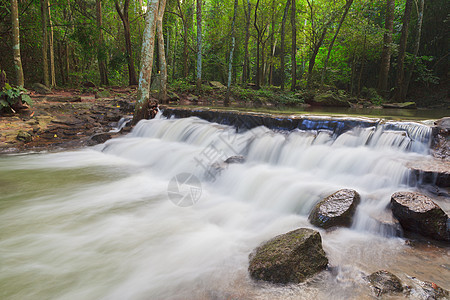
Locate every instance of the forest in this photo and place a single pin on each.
(382, 50)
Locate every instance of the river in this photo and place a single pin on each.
(107, 222)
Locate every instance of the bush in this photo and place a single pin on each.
(10, 97)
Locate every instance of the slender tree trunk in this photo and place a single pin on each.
(294, 46)
(61, 60)
(416, 49)
(387, 49)
(161, 51)
(258, 47)
(142, 109)
(132, 80)
(173, 62)
(16, 43)
(330, 47)
(283, 25)
(230, 63)
(44, 22)
(312, 59)
(51, 48)
(199, 44)
(245, 71)
(272, 41)
(402, 51)
(101, 55)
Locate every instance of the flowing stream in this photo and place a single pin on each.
(98, 223)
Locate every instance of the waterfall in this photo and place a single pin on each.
(98, 223)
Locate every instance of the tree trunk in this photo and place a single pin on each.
(330, 47)
(245, 71)
(258, 45)
(283, 25)
(387, 47)
(312, 59)
(44, 21)
(51, 48)
(199, 44)
(161, 51)
(101, 55)
(142, 109)
(126, 29)
(402, 51)
(61, 62)
(16, 43)
(230, 63)
(294, 46)
(416, 49)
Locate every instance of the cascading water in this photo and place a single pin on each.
(98, 224)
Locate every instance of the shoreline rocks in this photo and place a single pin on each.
(335, 210)
(384, 282)
(289, 258)
(418, 213)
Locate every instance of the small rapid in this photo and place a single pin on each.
(98, 223)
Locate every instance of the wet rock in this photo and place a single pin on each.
(24, 136)
(419, 214)
(434, 172)
(217, 85)
(100, 138)
(403, 105)
(385, 282)
(427, 290)
(289, 258)
(440, 144)
(236, 159)
(335, 210)
(41, 89)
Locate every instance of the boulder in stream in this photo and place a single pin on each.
(335, 210)
(289, 258)
(385, 282)
(419, 214)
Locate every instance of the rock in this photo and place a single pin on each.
(217, 167)
(41, 89)
(217, 85)
(236, 159)
(335, 210)
(431, 171)
(289, 258)
(100, 138)
(24, 136)
(440, 144)
(63, 99)
(385, 282)
(326, 99)
(403, 105)
(419, 214)
(428, 290)
(156, 82)
(102, 94)
(443, 124)
(88, 84)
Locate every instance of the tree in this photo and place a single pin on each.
(51, 47)
(416, 49)
(16, 44)
(123, 14)
(330, 47)
(161, 51)
(230, 63)
(294, 46)
(402, 51)
(283, 24)
(141, 110)
(246, 66)
(101, 55)
(199, 44)
(44, 21)
(387, 47)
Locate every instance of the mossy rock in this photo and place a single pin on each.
(24, 136)
(289, 258)
(385, 282)
(103, 94)
(327, 99)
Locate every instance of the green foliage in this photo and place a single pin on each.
(423, 73)
(182, 86)
(372, 95)
(10, 96)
